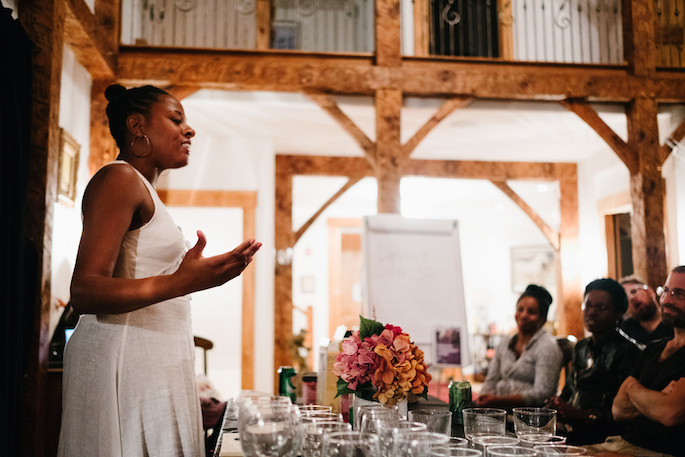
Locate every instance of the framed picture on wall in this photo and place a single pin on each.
(286, 35)
(67, 168)
(532, 265)
(448, 346)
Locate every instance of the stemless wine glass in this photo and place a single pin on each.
(535, 439)
(437, 420)
(484, 421)
(542, 421)
(418, 444)
(271, 431)
(559, 450)
(455, 452)
(349, 444)
(306, 409)
(486, 442)
(375, 409)
(388, 430)
(313, 433)
(510, 451)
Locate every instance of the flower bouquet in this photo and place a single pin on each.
(380, 363)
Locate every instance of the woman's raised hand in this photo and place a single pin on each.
(206, 272)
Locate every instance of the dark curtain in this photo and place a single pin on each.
(16, 296)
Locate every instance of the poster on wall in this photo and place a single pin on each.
(448, 344)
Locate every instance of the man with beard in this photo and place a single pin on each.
(643, 322)
(652, 399)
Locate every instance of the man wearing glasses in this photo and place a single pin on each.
(643, 322)
(652, 399)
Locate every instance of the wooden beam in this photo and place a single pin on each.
(357, 74)
(569, 288)
(639, 36)
(283, 274)
(43, 21)
(673, 140)
(90, 40)
(350, 182)
(505, 30)
(327, 103)
(647, 191)
(103, 148)
(466, 169)
(590, 116)
(388, 162)
(421, 27)
(247, 201)
(445, 110)
(263, 24)
(388, 37)
(551, 234)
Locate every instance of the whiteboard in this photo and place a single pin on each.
(412, 278)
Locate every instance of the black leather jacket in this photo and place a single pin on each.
(597, 371)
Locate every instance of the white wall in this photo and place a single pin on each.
(74, 117)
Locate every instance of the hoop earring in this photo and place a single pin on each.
(148, 147)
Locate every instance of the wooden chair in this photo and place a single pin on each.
(206, 345)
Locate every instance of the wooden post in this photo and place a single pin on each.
(647, 192)
(44, 23)
(388, 37)
(639, 36)
(103, 148)
(569, 292)
(283, 275)
(388, 150)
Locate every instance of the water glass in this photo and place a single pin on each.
(484, 421)
(306, 409)
(418, 444)
(313, 434)
(437, 420)
(541, 421)
(375, 409)
(535, 439)
(559, 450)
(455, 452)
(271, 431)
(349, 444)
(389, 431)
(487, 441)
(510, 451)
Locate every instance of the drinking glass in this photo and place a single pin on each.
(483, 442)
(376, 409)
(541, 421)
(313, 434)
(388, 430)
(305, 409)
(559, 450)
(535, 439)
(323, 415)
(437, 420)
(418, 444)
(510, 451)
(349, 444)
(455, 452)
(271, 431)
(484, 421)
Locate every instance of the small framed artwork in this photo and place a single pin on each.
(448, 347)
(286, 35)
(532, 265)
(67, 169)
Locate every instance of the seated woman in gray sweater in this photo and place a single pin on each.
(525, 369)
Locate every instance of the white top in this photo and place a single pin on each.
(129, 379)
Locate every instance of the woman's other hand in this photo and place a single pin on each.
(205, 272)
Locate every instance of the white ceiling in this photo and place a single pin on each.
(486, 130)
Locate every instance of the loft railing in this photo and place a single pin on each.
(564, 31)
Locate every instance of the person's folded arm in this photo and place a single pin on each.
(622, 408)
(666, 407)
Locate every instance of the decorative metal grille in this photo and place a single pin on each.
(464, 28)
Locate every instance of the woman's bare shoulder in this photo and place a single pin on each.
(118, 180)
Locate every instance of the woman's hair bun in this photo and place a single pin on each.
(114, 91)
